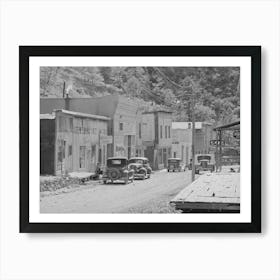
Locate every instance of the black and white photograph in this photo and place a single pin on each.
(139, 139)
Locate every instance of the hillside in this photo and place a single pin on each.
(215, 89)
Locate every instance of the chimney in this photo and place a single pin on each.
(66, 98)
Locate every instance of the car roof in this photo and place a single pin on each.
(144, 158)
(174, 158)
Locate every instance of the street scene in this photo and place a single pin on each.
(149, 196)
(139, 140)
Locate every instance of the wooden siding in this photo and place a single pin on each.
(124, 128)
(158, 140)
(217, 192)
(78, 145)
(181, 144)
(202, 139)
(148, 131)
(164, 121)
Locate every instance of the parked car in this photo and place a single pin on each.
(204, 162)
(175, 164)
(117, 170)
(141, 167)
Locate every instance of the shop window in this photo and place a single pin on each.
(139, 130)
(69, 150)
(93, 153)
(82, 158)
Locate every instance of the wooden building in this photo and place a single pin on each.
(140, 148)
(182, 141)
(157, 137)
(122, 111)
(72, 141)
(203, 134)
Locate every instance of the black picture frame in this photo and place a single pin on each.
(25, 52)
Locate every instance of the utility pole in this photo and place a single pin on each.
(193, 139)
(63, 91)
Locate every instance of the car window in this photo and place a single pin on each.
(116, 162)
(199, 158)
(136, 160)
(173, 160)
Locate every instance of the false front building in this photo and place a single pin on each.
(157, 138)
(182, 141)
(72, 142)
(123, 116)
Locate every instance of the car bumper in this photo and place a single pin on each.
(209, 168)
(140, 175)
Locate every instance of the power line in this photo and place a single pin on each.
(167, 78)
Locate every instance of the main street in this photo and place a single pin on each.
(141, 196)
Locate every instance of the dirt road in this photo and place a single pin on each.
(148, 196)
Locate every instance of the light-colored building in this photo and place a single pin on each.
(182, 141)
(182, 138)
(72, 142)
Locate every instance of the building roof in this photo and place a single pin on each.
(102, 106)
(185, 125)
(227, 126)
(47, 116)
(158, 111)
(82, 115)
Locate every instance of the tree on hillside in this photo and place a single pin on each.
(216, 89)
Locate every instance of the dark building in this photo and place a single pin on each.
(157, 137)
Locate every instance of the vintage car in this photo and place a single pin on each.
(204, 162)
(117, 170)
(141, 167)
(175, 164)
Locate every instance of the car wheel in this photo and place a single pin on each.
(144, 176)
(167, 170)
(104, 182)
(143, 173)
